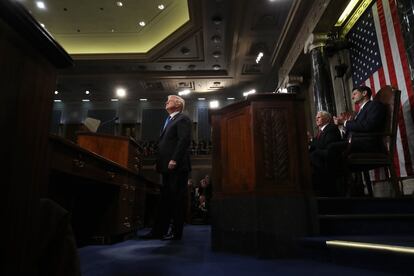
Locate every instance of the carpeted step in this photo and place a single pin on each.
(383, 253)
(365, 205)
(364, 216)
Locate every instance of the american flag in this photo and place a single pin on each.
(378, 58)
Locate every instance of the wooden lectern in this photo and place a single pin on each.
(122, 150)
(261, 176)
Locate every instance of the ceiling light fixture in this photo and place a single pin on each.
(259, 57)
(161, 7)
(87, 92)
(249, 92)
(114, 100)
(201, 99)
(231, 98)
(41, 5)
(56, 92)
(184, 92)
(346, 12)
(119, 4)
(143, 100)
(214, 104)
(43, 25)
(121, 92)
(57, 101)
(142, 23)
(85, 100)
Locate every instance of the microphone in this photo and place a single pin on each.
(111, 120)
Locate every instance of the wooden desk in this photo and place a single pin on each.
(106, 200)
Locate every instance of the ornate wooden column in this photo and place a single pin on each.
(321, 79)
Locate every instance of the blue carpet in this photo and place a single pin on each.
(193, 256)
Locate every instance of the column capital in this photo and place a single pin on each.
(314, 41)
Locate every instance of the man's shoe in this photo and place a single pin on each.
(149, 236)
(171, 237)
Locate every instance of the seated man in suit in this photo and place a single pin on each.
(369, 119)
(327, 133)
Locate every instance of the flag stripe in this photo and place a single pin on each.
(405, 85)
(388, 65)
(399, 80)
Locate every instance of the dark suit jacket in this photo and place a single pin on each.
(174, 144)
(330, 134)
(370, 119)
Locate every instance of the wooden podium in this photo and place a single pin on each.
(122, 150)
(261, 176)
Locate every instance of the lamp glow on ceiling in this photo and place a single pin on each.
(41, 5)
(249, 92)
(214, 104)
(184, 92)
(351, 5)
(121, 92)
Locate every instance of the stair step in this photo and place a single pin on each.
(367, 216)
(383, 253)
(365, 205)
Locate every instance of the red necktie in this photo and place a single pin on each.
(318, 135)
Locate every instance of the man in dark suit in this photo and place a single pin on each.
(173, 163)
(369, 119)
(327, 134)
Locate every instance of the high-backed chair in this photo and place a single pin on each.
(363, 162)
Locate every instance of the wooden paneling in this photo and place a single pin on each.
(28, 61)
(261, 145)
(260, 176)
(238, 168)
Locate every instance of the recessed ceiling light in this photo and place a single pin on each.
(201, 99)
(161, 7)
(214, 104)
(119, 4)
(120, 92)
(142, 23)
(87, 92)
(56, 92)
(57, 101)
(259, 57)
(231, 98)
(43, 25)
(143, 100)
(184, 92)
(114, 100)
(249, 92)
(85, 100)
(41, 5)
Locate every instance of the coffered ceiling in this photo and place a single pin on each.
(207, 46)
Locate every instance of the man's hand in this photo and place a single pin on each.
(309, 136)
(172, 164)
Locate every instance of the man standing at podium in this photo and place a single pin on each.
(173, 163)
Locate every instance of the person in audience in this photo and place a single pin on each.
(369, 119)
(327, 134)
(173, 163)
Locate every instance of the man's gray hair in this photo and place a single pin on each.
(178, 100)
(325, 114)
